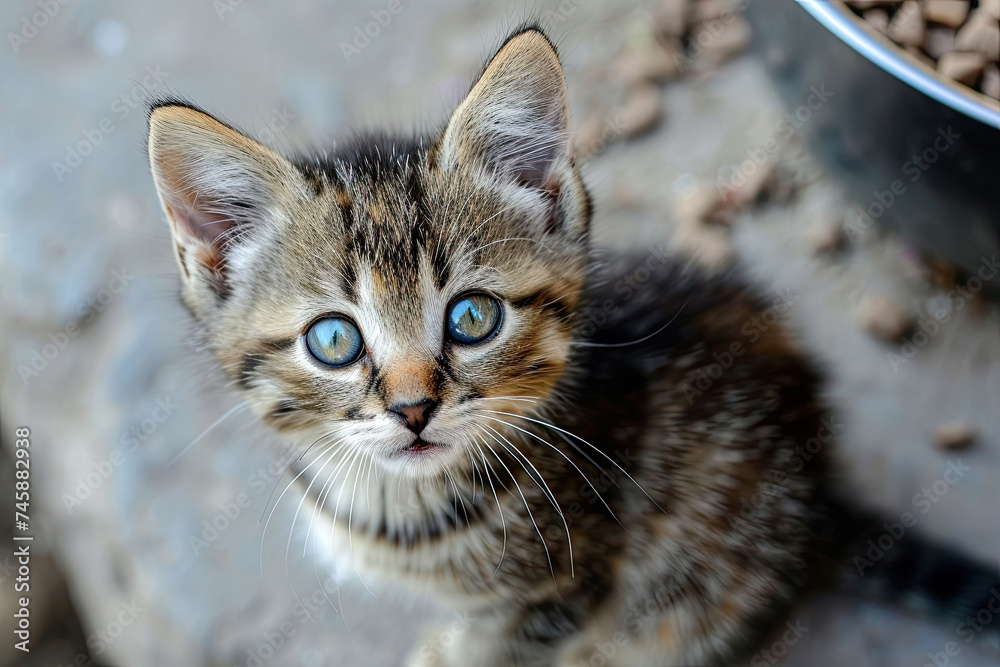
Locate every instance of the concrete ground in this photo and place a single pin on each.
(159, 568)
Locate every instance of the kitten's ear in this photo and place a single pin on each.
(218, 188)
(514, 120)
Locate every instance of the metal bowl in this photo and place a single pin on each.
(919, 153)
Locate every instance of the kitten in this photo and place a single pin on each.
(576, 464)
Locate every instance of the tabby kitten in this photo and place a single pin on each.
(578, 465)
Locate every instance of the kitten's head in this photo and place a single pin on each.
(396, 296)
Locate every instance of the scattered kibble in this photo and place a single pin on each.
(670, 39)
(955, 435)
(654, 64)
(672, 17)
(642, 109)
(590, 138)
(827, 238)
(884, 318)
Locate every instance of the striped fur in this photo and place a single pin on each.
(609, 470)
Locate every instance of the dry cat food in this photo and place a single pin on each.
(959, 38)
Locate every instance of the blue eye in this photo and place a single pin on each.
(334, 341)
(473, 318)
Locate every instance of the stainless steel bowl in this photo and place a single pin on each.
(920, 154)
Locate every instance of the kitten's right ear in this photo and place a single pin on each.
(218, 189)
(514, 120)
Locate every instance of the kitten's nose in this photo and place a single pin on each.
(416, 414)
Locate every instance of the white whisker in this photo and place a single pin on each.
(548, 557)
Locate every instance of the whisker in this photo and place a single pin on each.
(573, 435)
(561, 453)
(336, 515)
(324, 492)
(286, 489)
(288, 576)
(368, 480)
(634, 342)
(287, 468)
(517, 486)
(350, 518)
(473, 472)
(328, 459)
(229, 413)
(513, 238)
(526, 399)
(496, 496)
(550, 496)
(455, 501)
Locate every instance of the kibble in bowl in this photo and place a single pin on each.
(909, 121)
(956, 39)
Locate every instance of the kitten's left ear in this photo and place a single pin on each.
(514, 120)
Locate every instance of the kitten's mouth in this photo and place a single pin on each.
(418, 446)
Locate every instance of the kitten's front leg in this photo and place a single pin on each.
(464, 640)
(485, 641)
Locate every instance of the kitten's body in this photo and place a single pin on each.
(668, 565)
(578, 482)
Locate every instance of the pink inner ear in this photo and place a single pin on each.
(197, 215)
(210, 231)
(201, 220)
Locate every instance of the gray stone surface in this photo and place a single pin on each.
(87, 268)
